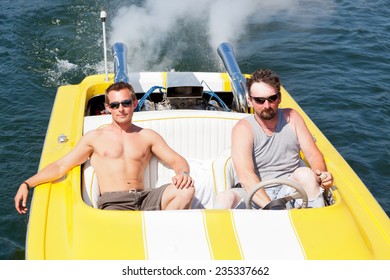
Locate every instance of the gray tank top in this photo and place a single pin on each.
(275, 156)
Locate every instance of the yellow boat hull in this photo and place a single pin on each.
(63, 226)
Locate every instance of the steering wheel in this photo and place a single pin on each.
(300, 193)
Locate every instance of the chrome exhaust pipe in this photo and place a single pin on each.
(240, 92)
(119, 51)
(103, 17)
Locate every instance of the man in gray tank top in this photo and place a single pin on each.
(267, 145)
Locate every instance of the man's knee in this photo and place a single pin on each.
(303, 174)
(227, 199)
(308, 180)
(174, 198)
(186, 194)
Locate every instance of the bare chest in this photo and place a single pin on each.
(127, 147)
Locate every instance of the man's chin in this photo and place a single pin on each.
(122, 119)
(267, 115)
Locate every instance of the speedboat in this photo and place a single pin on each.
(195, 113)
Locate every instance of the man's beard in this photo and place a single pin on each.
(267, 114)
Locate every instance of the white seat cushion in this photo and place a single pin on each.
(202, 137)
(90, 185)
(223, 172)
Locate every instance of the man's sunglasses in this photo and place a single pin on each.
(125, 103)
(261, 100)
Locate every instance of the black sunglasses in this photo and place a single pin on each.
(125, 103)
(261, 100)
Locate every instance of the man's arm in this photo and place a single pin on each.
(179, 164)
(54, 171)
(310, 149)
(242, 150)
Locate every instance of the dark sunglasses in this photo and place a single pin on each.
(261, 100)
(125, 103)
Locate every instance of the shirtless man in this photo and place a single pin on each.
(119, 153)
(267, 145)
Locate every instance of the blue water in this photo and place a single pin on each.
(333, 58)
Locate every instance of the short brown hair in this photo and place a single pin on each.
(266, 76)
(117, 87)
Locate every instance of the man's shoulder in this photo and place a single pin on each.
(290, 114)
(98, 131)
(98, 134)
(242, 125)
(242, 122)
(293, 118)
(147, 131)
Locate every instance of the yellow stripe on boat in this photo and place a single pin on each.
(126, 230)
(221, 232)
(226, 81)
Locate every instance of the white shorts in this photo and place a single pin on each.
(278, 192)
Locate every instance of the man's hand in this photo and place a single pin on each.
(183, 180)
(325, 179)
(21, 199)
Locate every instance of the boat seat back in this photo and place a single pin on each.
(202, 137)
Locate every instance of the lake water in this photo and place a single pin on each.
(333, 58)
